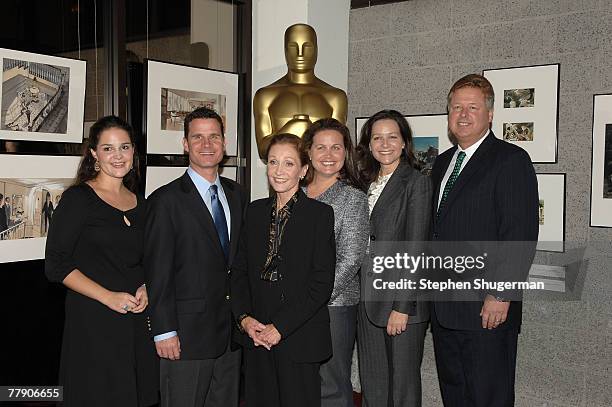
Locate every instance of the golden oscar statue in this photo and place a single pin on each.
(299, 98)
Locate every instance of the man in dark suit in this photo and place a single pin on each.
(192, 230)
(485, 190)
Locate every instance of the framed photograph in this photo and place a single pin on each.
(160, 176)
(551, 191)
(43, 97)
(32, 187)
(527, 108)
(430, 137)
(172, 91)
(601, 163)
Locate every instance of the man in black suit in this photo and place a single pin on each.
(485, 190)
(192, 230)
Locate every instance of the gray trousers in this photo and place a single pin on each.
(389, 365)
(336, 388)
(201, 383)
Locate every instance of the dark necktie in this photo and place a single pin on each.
(451, 180)
(219, 219)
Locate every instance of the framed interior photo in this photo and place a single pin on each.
(430, 137)
(32, 187)
(43, 97)
(551, 191)
(172, 91)
(160, 176)
(527, 108)
(601, 163)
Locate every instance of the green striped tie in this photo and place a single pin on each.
(451, 180)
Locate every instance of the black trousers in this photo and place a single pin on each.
(201, 383)
(273, 379)
(475, 368)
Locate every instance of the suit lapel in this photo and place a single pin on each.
(198, 209)
(233, 199)
(473, 165)
(443, 165)
(390, 190)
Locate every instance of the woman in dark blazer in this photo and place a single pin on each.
(281, 283)
(391, 330)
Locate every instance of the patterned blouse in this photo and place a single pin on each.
(376, 189)
(275, 237)
(352, 229)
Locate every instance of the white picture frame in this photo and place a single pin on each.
(551, 192)
(534, 124)
(601, 162)
(42, 97)
(173, 90)
(31, 178)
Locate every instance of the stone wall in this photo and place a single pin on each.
(406, 56)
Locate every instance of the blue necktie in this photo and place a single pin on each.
(220, 221)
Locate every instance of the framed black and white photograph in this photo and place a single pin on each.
(430, 137)
(172, 91)
(160, 176)
(31, 188)
(42, 97)
(527, 108)
(551, 191)
(601, 164)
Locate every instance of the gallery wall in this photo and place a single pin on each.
(405, 56)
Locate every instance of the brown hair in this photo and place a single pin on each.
(87, 170)
(202, 113)
(348, 173)
(292, 140)
(474, 81)
(368, 166)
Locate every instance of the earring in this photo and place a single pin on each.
(97, 166)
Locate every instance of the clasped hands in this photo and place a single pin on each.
(264, 335)
(123, 303)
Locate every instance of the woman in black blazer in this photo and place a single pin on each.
(281, 282)
(391, 330)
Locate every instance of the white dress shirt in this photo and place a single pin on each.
(469, 152)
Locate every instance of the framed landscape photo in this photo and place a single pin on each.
(526, 109)
(601, 164)
(172, 91)
(430, 137)
(551, 191)
(42, 97)
(32, 187)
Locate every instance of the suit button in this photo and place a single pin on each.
(227, 297)
(372, 255)
(372, 237)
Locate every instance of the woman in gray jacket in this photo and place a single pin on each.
(331, 178)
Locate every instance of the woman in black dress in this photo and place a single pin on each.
(95, 248)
